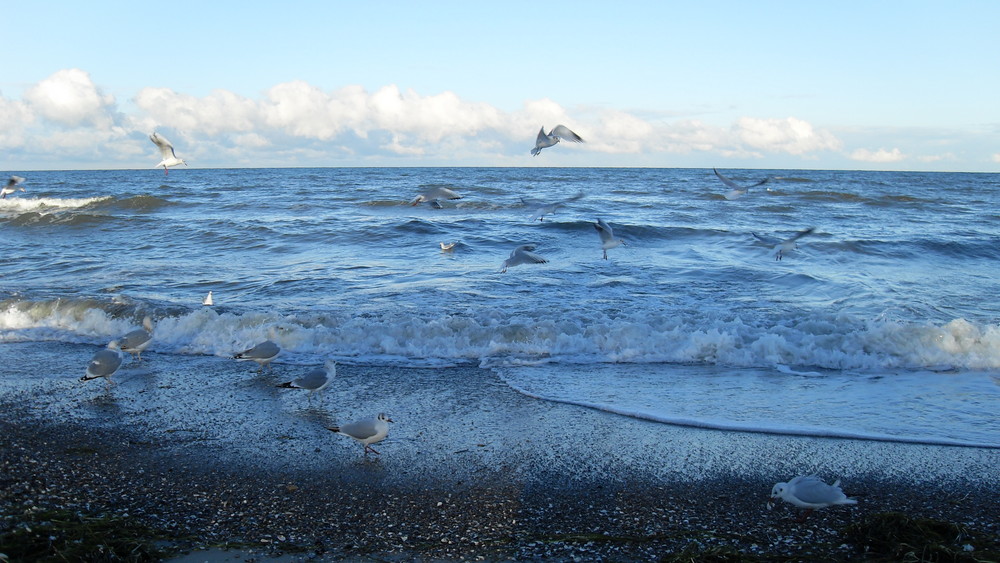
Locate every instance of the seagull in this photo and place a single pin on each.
(314, 381)
(737, 190)
(105, 363)
(367, 432)
(11, 186)
(522, 255)
(432, 195)
(138, 340)
(543, 209)
(208, 300)
(447, 246)
(786, 245)
(167, 150)
(608, 240)
(809, 492)
(262, 353)
(557, 133)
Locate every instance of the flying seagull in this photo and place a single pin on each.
(809, 492)
(367, 432)
(11, 186)
(432, 195)
(782, 246)
(167, 151)
(738, 190)
(555, 135)
(522, 255)
(543, 209)
(608, 240)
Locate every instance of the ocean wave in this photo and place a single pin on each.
(492, 337)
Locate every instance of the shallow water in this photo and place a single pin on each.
(882, 324)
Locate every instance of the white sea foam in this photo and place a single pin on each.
(19, 205)
(492, 339)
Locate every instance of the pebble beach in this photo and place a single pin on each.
(219, 462)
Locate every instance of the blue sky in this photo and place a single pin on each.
(823, 85)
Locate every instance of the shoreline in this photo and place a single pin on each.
(210, 454)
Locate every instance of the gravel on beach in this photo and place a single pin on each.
(203, 455)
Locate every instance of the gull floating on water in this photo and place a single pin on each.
(367, 432)
(138, 340)
(11, 186)
(809, 492)
(105, 363)
(558, 132)
(315, 380)
(208, 300)
(522, 255)
(262, 353)
(167, 151)
(543, 209)
(432, 195)
(608, 240)
(447, 246)
(783, 246)
(738, 190)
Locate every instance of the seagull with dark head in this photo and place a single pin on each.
(11, 186)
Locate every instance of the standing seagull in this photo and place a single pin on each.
(738, 190)
(138, 340)
(786, 245)
(262, 353)
(432, 195)
(522, 255)
(557, 133)
(314, 381)
(367, 432)
(608, 240)
(208, 300)
(10, 187)
(167, 151)
(809, 492)
(104, 363)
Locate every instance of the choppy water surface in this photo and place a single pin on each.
(882, 324)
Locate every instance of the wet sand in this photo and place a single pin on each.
(214, 454)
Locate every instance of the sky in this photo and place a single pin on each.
(859, 85)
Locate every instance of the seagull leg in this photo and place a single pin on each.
(369, 448)
(802, 517)
(605, 254)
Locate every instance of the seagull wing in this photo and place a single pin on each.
(604, 230)
(565, 134)
(542, 138)
(814, 491)
(166, 149)
(800, 234)
(359, 430)
(727, 181)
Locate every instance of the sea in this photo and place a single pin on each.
(881, 323)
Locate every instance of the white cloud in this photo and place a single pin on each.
(789, 135)
(880, 156)
(70, 98)
(300, 124)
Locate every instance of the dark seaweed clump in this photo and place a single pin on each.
(63, 535)
(893, 536)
